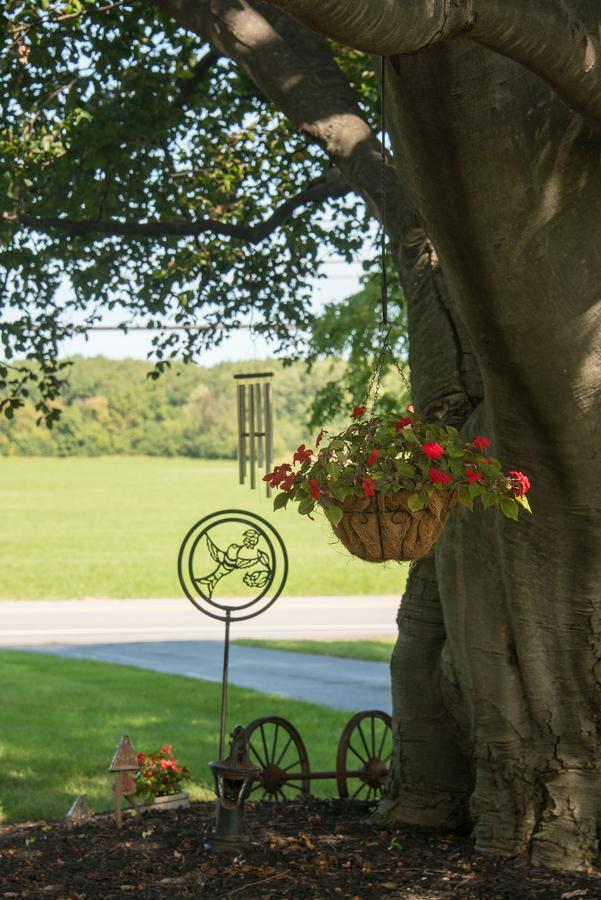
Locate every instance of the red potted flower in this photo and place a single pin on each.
(387, 484)
(160, 779)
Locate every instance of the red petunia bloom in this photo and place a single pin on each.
(358, 412)
(302, 454)
(480, 443)
(439, 477)
(315, 490)
(474, 477)
(519, 482)
(372, 457)
(411, 408)
(369, 487)
(433, 450)
(402, 423)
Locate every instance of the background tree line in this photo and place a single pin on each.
(112, 407)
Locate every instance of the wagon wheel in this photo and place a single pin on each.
(365, 749)
(277, 748)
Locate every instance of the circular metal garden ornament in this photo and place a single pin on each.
(232, 565)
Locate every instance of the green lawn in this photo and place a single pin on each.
(62, 719)
(376, 650)
(111, 527)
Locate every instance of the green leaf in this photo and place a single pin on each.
(488, 499)
(455, 452)
(405, 470)
(334, 514)
(509, 508)
(416, 502)
(475, 489)
(305, 507)
(465, 497)
(523, 501)
(281, 500)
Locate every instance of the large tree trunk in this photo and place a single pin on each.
(507, 179)
(497, 670)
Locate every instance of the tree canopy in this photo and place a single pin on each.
(143, 170)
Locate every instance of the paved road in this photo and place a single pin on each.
(339, 683)
(27, 623)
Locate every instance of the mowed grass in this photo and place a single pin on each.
(62, 719)
(111, 527)
(375, 650)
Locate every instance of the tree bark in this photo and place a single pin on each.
(497, 689)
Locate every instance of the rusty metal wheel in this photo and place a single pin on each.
(278, 749)
(364, 754)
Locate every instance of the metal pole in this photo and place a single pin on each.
(268, 415)
(241, 442)
(260, 424)
(251, 436)
(226, 659)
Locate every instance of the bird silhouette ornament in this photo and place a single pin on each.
(234, 558)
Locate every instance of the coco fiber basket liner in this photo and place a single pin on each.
(383, 527)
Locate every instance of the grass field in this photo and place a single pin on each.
(377, 650)
(62, 719)
(111, 527)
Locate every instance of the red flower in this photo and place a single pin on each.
(410, 408)
(358, 412)
(369, 487)
(474, 477)
(277, 476)
(302, 454)
(140, 757)
(433, 451)
(372, 457)
(315, 491)
(519, 482)
(288, 483)
(480, 443)
(320, 437)
(439, 477)
(402, 423)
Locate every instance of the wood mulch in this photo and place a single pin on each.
(316, 849)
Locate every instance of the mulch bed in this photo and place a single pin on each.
(316, 849)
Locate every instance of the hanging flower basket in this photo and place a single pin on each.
(382, 527)
(387, 484)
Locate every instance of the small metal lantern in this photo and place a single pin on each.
(233, 776)
(125, 764)
(255, 424)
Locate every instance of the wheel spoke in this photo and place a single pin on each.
(382, 742)
(275, 741)
(283, 753)
(259, 760)
(264, 743)
(387, 758)
(373, 737)
(364, 742)
(361, 787)
(358, 755)
(295, 762)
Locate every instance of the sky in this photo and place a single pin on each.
(342, 280)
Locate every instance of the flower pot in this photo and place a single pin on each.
(383, 527)
(169, 801)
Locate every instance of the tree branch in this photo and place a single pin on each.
(330, 187)
(559, 40)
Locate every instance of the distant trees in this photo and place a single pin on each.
(111, 407)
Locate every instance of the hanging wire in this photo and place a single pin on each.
(384, 280)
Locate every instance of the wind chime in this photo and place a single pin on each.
(255, 425)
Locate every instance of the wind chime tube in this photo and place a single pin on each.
(242, 431)
(260, 424)
(251, 438)
(268, 429)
